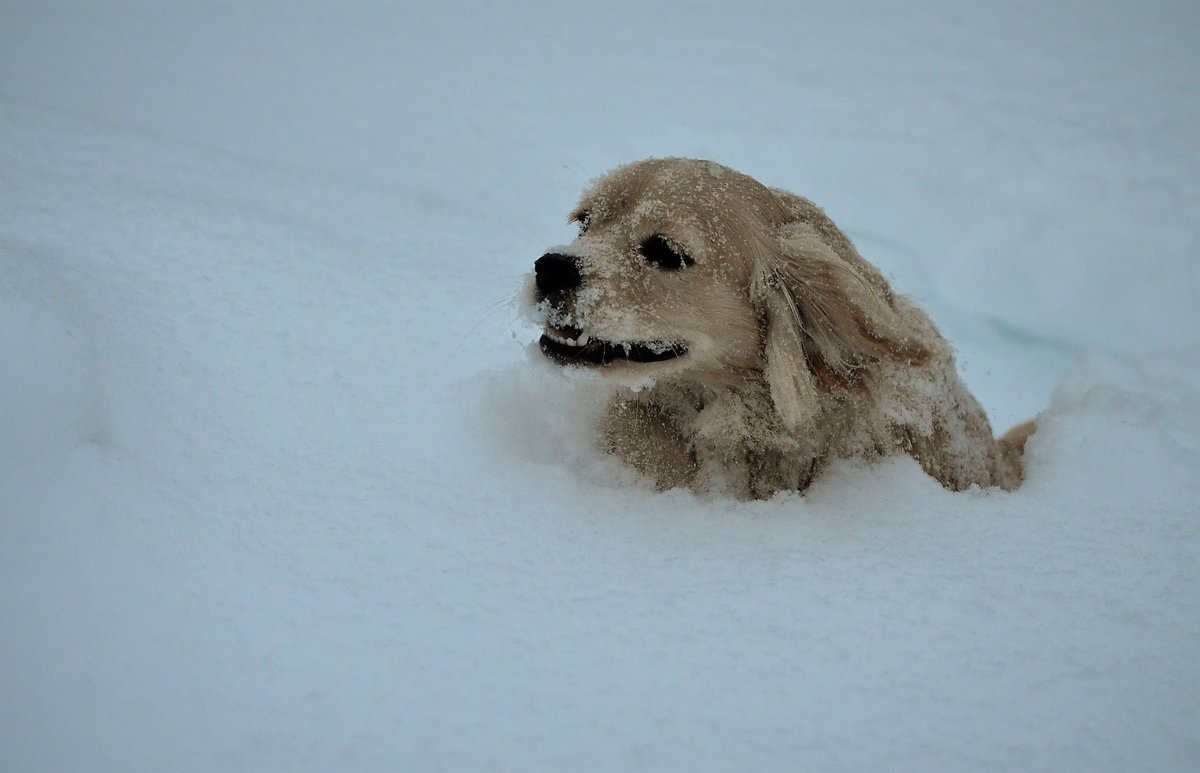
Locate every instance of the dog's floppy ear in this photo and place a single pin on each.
(826, 318)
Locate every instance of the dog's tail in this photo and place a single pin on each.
(1012, 454)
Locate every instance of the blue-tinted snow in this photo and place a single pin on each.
(280, 489)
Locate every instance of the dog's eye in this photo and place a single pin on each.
(584, 219)
(655, 249)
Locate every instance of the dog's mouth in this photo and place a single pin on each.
(570, 345)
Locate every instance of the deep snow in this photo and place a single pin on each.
(280, 487)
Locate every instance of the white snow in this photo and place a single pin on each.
(280, 487)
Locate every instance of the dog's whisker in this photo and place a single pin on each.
(511, 302)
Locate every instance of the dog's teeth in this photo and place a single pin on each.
(572, 342)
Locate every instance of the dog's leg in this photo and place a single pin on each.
(643, 435)
(1012, 453)
(958, 454)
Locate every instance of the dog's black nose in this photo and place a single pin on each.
(556, 273)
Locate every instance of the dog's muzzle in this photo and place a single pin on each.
(555, 277)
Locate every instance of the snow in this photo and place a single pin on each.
(281, 487)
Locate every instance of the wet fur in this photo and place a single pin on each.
(799, 351)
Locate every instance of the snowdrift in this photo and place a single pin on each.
(281, 487)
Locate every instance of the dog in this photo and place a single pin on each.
(748, 341)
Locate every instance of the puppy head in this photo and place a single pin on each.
(654, 284)
(688, 269)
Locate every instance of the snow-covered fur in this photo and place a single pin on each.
(748, 341)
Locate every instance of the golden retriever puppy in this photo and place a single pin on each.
(748, 341)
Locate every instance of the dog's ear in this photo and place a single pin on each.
(826, 318)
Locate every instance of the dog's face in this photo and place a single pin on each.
(689, 270)
(658, 280)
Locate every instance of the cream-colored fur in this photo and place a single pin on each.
(792, 349)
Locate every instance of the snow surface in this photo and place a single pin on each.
(281, 489)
